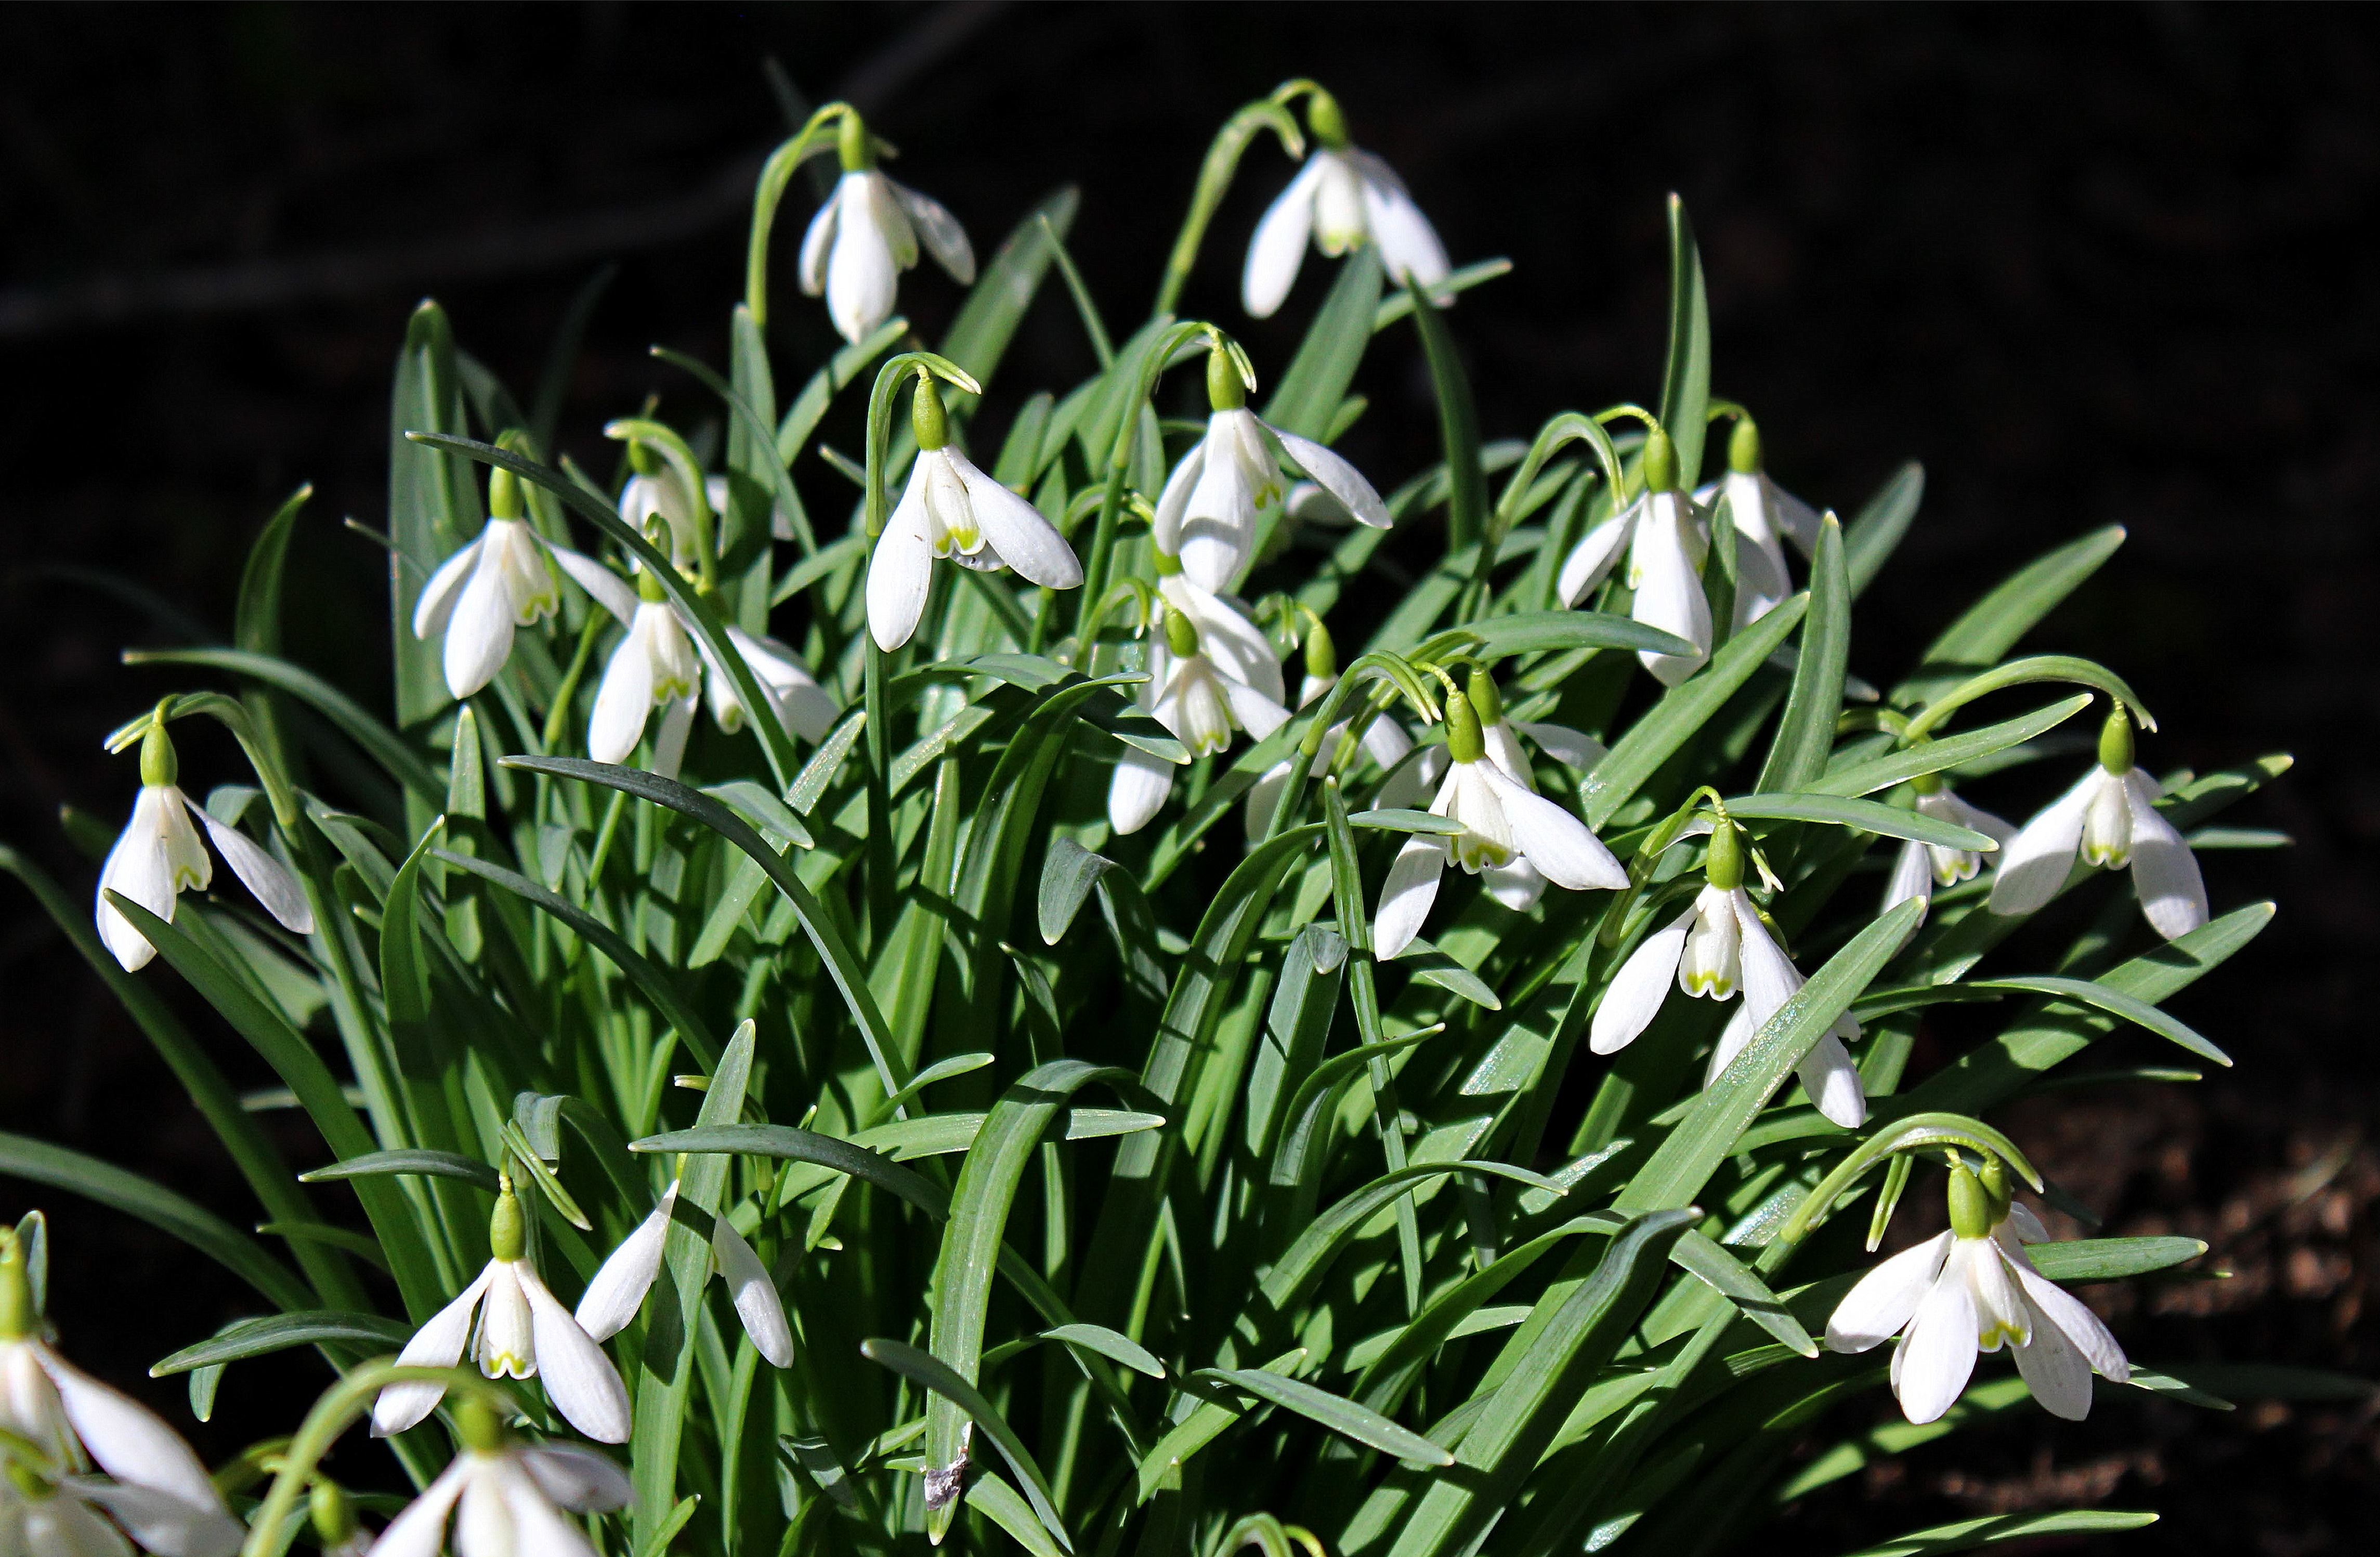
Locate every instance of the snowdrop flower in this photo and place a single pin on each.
(1520, 886)
(655, 491)
(867, 234)
(801, 704)
(1717, 949)
(951, 509)
(1662, 534)
(1384, 739)
(1231, 479)
(523, 1331)
(1920, 868)
(1971, 1290)
(159, 854)
(499, 582)
(620, 1285)
(1762, 512)
(1340, 198)
(514, 1498)
(1512, 835)
(2111, 819)
(154, 1487)
(654, 666)
(1228, 635)
(1196, 694)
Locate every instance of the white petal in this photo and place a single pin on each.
(577, 1478)
(1139, 790)
(163, 1522)
(1335, 476)
(1939, 1356)
(940, 232)
(421, 1529)
(1406, 895)
(437, 601)
(862, 273)
(271, 880)
(580, 1379)
(479, 629)
(2072, 1318)
(608, 590)
(1220, 518)
(1516, 884)
(623, 702)
(1887, 1297)
(1228, 637)
(669, 741)
(754, 1295)
(1913, 876)
(1411, 785)
(1593, 558)
(1795, 517)
(1832, 1083)
(484, 1525)
(2164, 873)
(129, 1441)
(438, 1344)
(1409, 246)
(2055, 1371)
(539, 1529)
(1668, 592)
(1504, 751)
(1556, 842)
(1770, 977)
(62, 1526)
(1263, 795)
(1634, 995)
(1255, 713)
(1279, 246)
(1949, 807)
(141, 867)
(1761, 581)
(1016, 529)
(2035, 864)
(2026, 1225)
(817, 242)
(1574, 749)
(1387, 741)
(898, 573)
(621, 1282)
(1732, 1039)
(1165, 530)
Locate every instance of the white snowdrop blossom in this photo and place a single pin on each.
(951, 510)
(1199, 695)
(1384, 740)
(1920, 869)
(661, 494)
(2110, 819)
(507, 1498)
(1231, 480)
(1764, 515)
(1717, 949)
(619, 1286)
(1340, 199)
(1519, 884)
(1512, 836)
(1971, 1290)
(523, 1331)
(152, 1486)
(1662, 534)
(158, 854)
(867, 234)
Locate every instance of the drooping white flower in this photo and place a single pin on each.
(1972, 1290)
(158, 854)
(867, 234)
(1919, 868)
(2110, 819)
(501, 581)
(619, 1286)
(661, 494)
(1519, 885)
(1384, 740)
(654, 666)
(513, 1497)
(1662, 534)
(1515, 838)
(802, 705)
(1340, 198)
(1196, 693)
(1230, 479)
(1762, 512)
(951, 509)
(523, 1331)
(1718, 948)
(154, 1487)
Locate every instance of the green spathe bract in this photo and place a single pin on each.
(1121, 1199)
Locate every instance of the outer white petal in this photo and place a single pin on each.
(2025, 1225)
(437, 601)
(898, 573)
(1593, 556)
(621, 1281)
(1411, 785)
(1406, 895)
(2055, 1372)
(269, 879)
(2035, 863)
(484, 1525)
(1016, 529)
(1913, 876)
(539, 1529)
(1887, 1297)
(1279, 246)
(1939, 1356)
(622, 702)
(479, 628)
(580, 1379)
(1761, 581)
(1408, 244)
(817, 242)
(1574, 749)
(1386, 742)
(1516, 884)
(419, 1529)
(62, 1526)
(163, 1522)
(1832, 1083)
(1732, 1039)
(438, 1344)
(1335, 476)
(1504, 751)
(577, 1478)
(2164, 873)
(1770, 977)
(1947, 805)
(754, 1295)
(129, 1441)
(1138, 789)
(1255, 713)
(1634, 995)
(137, 867)
(862, 272)
(804, 705)
(1554, 841)
(1219, 520)
(1165, 530)
(1229, 637)
(669, 741)
(1668, 592)
(609, 590)
(1263, 795)
(2069, 1314)
(1795, 517)
(940, 231)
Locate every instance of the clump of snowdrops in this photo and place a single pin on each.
(1171, 1029)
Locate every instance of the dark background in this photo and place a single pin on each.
(2092, 265)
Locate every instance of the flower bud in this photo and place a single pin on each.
(2116, 742)
(1659, 465)
(1971, 1204)
(158, 763)
(642, 460)
(1463, 742)
(926, 416)
(1743, 448)
(1321, 654)
(1723, 867)
(507, 1230)
(1485, 700)
(1167, 565)
(1181, 635)
(1225, 389)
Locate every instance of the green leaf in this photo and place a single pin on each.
(1806, 732)
(2017, 673)
(433, 503)
(1162, 1464)
(380, 743)
(789, 1144)
(1399, 304)
(1686, 371)
(1431, 965)
(1317, 1094)
(1942, 755)
(277, 1333)
(2110, 1259)
(1876, 530)
(1737, 1282)
(1339, 1414)
(2257, 1381)
(809, 406)
(1069, 871)
(1309, 393)
(1324, 1238)
(1992, 625)
(418, 1161)
(2115, 1003)
(256, 622)
(1968, 1534)
(989, 1493)
(1458, 427)
(1407, 821)
(1867, 816)
(962, 1396)
(1534, 632)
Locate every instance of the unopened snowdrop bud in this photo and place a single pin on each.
(1659, 467)
(867, 233)
(1181, 634)
(1764, 515)
(928, 419)
(1463, 743)
(1662, 537)
(2110, 820)
(332, 1515)
(160, 766)
(1342, 197)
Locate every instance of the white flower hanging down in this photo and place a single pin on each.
(1762, 512)
(2110, 818)
(1717, 949)
(1515, 838)
(1340, 199)
(867, 233)
(1384, 739)
(1231, 480)
(1519, 885)
(1972, 1290)
(619, 1287)
(158, 854)
(514, 1498)
(1661, 533)
(654, 666)
(1197, 692)
(499, 582)
(153, 1485)
(951, 510)
(523, 1331)
(1920, 869)
(655, 491)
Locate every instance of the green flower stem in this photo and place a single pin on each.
(1095, 571)
(819, 134)
(654, 434)
(1215, 180)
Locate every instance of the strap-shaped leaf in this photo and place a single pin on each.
(278, 1333)
(1876, 530)
(1867, 816)
(1686, 371)
(1966, 1535)
(963, 1397)
(418, 1161)
(1941, 756)
(2111, 1260)
(1316, 379)
(1805, 733)
(789, 1144)
(1993, 625)
(1338, 1413)
(1737, 1282)
(380, 743)
(1322, 1241)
